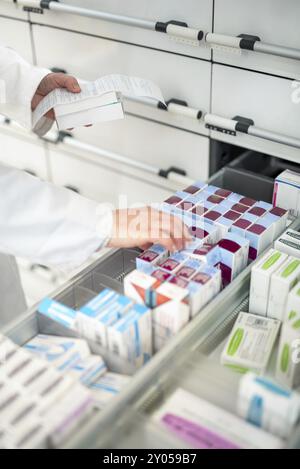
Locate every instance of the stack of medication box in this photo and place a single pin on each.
(272, 279)
(112, 321)
(201, 205)
(33, 408)
(107, 387)
(176, 290)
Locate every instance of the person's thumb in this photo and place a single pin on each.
(71, 84)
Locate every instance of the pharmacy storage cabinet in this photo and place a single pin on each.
(270, 102)
(16, 34)
(9, 8)
(197, 14)
(99, 178)
(23, 150)
(274, 22)
(180, 78)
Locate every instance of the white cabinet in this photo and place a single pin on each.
(267, 100)
(103, 183)
(16, 34)
(196, 13)
(10, 8)
(155, 144)
(179, 77)
(23, 152)
(276, 22)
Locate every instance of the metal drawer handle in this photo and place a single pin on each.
(247, 126)
(173, 173)
(247, 42)
(173, 28)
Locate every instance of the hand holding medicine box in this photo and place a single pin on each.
(261, 275)
(92, 110)
(250, 343)
(282, 282)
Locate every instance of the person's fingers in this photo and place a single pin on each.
(70, 83)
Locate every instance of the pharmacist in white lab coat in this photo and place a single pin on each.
(48, 224)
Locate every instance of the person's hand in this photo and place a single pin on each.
(51, 82)
(145, 226)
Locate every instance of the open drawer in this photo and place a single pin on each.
(109, 271)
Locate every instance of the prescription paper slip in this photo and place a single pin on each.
(128, 86)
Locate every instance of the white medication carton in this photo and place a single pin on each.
(139, 287)
(173, 263)
(225, 222)
(288, 359)
(171, 312)
(267, 405)
(58, 312)
(203, 287)
(261, 275)
(131, 336)
(92, 110)
(61, 352)
(203, 425)
(234, 252)
(195, 188)
(207, 253)
(260, 236)
(282, 282)
(94, 318)
(260, 209)
(280, 217)
(108, 387)
(189, 268)
(153, 256)
(293, 304)
(289, 242)
(240, 226)
(89, 370)
(241, 199)
(287, 192)
(68, 414)
(250, 343)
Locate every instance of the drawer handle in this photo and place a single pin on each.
(173, 174)
(172, 28)
(246, 126)
(254, 43)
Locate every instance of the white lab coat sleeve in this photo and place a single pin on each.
(18, 82)
(49, 225)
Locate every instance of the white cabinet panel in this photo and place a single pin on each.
(23, 153)
(274, 21)
(9, 8)
(101, 183)
(16, 34)
(196, 13)
(156, 144)
(179, 77)
(265, 99)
